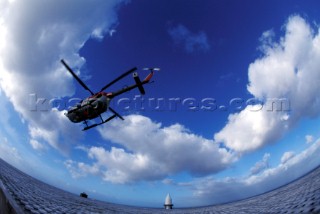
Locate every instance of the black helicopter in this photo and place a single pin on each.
(93, 106)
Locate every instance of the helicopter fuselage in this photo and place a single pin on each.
(89, 108)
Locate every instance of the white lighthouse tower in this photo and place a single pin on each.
(168, 202)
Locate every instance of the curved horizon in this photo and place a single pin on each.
(233, 111)
(33, 195)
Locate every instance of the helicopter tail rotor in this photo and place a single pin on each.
(151, 69)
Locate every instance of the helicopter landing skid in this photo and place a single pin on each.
(97, 124)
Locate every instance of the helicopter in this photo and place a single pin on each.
(93, 106)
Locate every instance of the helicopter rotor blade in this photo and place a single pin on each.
(76, 77)
(116, 113)
(118, 78)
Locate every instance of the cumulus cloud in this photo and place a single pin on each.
(36, 145)
(152, 152)
(309, 139)
(73, 169)
(266, 40)
(191, 42)
(288, 69)
(80, 169)
(287, 156)
(261, 165)
(34, 36)
(249, 130)
(213, 191)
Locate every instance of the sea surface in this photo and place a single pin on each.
(21, 193)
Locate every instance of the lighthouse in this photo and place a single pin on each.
(168, 202)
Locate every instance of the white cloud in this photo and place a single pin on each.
(152, 152)
(287, 156)
(80, 169)
(267, 40)
(168, 181)
(73, 169)
(249, 130)
(309, 139)
(261, 165)
(6, 118)
(288, 69)
(209, 190)
(111, 32)
(9, 152)
(36, 145)
(192, 42)
(34, 36)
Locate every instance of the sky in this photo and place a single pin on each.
(233, 112)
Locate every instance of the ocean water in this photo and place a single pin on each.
(28, 195)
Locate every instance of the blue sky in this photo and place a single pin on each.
(210, 141)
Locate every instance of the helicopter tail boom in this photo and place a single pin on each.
(148, 78)
(139, 84)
